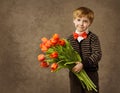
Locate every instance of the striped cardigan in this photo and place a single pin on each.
(89, 50)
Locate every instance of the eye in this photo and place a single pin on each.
(78, 19)
(85, 21)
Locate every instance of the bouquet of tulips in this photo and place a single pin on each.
(57, 53)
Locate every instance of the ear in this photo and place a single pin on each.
(89, 24)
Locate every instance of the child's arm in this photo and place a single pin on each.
(95, 56)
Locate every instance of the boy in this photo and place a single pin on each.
(87, 45)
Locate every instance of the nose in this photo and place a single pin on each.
(80, 22)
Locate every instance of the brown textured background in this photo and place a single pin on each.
(24, 22)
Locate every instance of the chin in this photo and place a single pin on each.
(81, 30)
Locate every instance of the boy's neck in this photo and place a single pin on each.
(82, 31)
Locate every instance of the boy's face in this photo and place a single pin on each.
(81, 24)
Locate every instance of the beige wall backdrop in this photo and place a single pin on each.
(24, 22)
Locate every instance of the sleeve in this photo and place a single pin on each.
(95, 56)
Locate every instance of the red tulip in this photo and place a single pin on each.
(54, 66)
(43, 47)
(53, 41)
(44, 39)
(41, 57)
(54, 55)
(48, 44)
(62, 42)
(56, 37)
(44, 64)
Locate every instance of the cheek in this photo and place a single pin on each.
(76, 24)
(86, 25)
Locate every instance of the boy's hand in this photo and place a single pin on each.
(78, 67)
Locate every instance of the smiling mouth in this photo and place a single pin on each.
(81, 27)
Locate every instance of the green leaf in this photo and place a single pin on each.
(68, 63)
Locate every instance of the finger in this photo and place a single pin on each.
(74, 69)
(78, 71)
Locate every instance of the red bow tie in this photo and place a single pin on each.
(84, 35)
